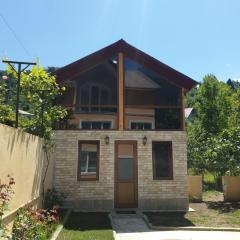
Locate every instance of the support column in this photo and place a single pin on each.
(182, 110)
(120, 91)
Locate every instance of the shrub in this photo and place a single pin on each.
(35, 224)
(6, 193)
(53, 198)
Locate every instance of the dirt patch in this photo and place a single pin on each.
(213, 212)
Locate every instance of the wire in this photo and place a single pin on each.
(15, 35)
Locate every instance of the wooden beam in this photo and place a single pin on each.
(120, 91)
(182, 109)
(75, 98)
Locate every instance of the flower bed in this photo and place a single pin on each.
(35, 224)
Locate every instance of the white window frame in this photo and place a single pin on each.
(86, 172)
(101, 120)
(141, 121)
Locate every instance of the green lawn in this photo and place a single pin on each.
(87, 226)
(213, 212)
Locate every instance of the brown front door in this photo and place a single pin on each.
(126, 174)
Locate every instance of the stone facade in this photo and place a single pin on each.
(99, 195)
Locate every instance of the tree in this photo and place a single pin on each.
(233, 84)
(223, 153)
(213, 104)
(39, 91)
(6, 113)
(213, 136)
(195, 148)
(191, 98)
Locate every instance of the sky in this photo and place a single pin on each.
(194, 37)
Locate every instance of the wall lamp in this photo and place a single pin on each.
(107, 139)
(144, 140)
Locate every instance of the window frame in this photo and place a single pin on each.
(102, 121)
(170, 160)
(141, 121)
(80, 143)
(89, 87)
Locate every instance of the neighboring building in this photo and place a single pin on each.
(25, 114)
(124, 145)
(189, 114)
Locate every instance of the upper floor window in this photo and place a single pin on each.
(96, 125)
(140, 125)
(153, 95)
(92, 94)
(95, 98)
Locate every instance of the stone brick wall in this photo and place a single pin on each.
(99, 195)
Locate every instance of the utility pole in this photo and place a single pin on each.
(18, 72)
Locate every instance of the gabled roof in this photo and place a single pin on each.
(73, 69)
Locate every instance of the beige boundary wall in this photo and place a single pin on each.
(231, 188)
(99, 195)
(195, 188)
(22, 157)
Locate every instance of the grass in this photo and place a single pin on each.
(212, 196)
(213, 212)
(87, 226)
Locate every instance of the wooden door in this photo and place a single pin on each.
(126, 194)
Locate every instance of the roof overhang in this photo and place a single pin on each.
(71, 70)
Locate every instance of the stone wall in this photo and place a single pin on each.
(231, 189)
(99, 195)
(195, 188)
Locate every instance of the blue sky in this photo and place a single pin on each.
(194, 37)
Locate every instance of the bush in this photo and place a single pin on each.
(6, 193)
(52, 198)
(35, 224)
(212, 183)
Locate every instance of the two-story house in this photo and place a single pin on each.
(125, 145)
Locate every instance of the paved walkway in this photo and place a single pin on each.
(133, 227)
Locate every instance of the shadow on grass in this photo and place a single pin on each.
(168, 219)
(88, 221)
(223, 207)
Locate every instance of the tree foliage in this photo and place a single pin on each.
(37, 96)
(6, 110)
(213, 135)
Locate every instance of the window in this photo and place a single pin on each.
(96, 124)
(147, 90)
(88, 160)
(125, 162)
(168, 118)
(96, 95)
(162, 160)
(141, 125)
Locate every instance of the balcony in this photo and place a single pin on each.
(104, 98)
